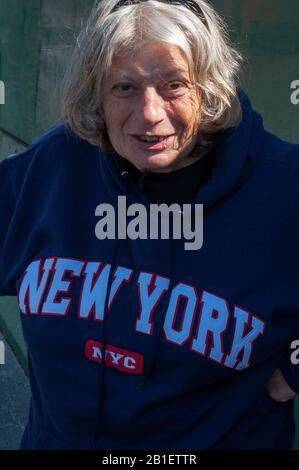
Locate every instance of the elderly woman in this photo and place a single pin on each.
(137, 342)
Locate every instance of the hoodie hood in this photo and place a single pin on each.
(235, 153)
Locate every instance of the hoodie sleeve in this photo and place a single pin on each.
(290, 366)
(7, 207)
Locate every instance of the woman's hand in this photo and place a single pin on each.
(278, 388)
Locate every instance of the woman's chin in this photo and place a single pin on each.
(154, 163)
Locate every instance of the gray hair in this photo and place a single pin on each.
(214, 63)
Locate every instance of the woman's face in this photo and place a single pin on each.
(151, 108)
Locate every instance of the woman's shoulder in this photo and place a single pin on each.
(58, 142)
(275, 150)
(56, 152)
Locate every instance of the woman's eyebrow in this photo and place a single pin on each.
(176, 71)
(134, 75)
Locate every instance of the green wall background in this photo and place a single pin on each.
(36, 38)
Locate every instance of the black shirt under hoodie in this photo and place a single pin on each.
(179, 186)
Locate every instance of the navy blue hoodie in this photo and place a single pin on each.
(189, 338)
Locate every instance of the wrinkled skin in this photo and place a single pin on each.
(151, 92)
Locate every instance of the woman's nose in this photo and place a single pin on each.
(152, 106)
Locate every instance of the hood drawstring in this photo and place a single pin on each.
(160, 320)
(140, 181)
(100, 426)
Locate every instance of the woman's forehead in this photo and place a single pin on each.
(151, 59)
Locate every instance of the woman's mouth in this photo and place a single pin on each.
(153, 142)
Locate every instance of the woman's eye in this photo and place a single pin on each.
(175, 85)
(171, 89)
(122, 89)
(175, 88)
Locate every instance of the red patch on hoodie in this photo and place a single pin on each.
(120, 359)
